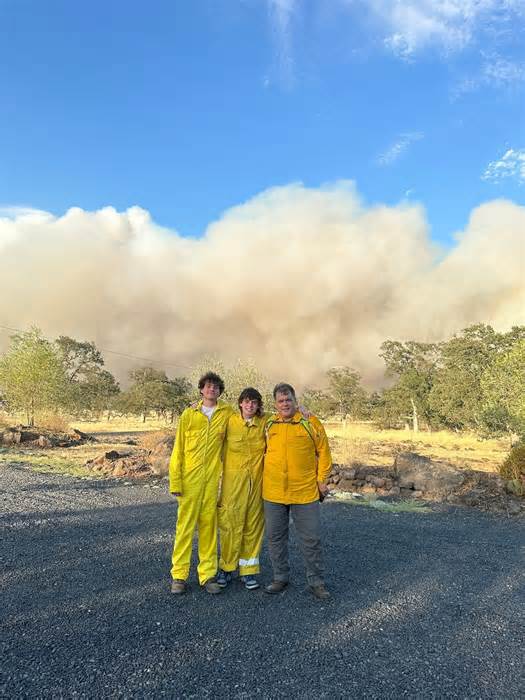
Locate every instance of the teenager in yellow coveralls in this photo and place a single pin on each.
(195, 471)
(241, 516)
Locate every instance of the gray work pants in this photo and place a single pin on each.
(308, 528)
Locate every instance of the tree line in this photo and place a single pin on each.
(473, 381)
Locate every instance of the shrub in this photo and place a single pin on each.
(55, 422)
(513, 469)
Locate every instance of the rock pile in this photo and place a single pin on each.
(42, 437)
(135, 465)
(415, 476)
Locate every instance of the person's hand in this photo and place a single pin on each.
(323, 490)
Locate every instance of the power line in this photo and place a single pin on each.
(115, 352)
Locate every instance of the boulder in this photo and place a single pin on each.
(43, 441)
(438, 479)
(159, 457)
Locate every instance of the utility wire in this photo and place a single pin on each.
(115, 352)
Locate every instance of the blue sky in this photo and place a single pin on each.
(188, 108)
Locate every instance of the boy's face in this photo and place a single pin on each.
(249, 408)
(210, 391)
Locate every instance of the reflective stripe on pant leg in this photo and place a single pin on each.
(277, 517)
(232, 512)
(307, 525)
(253, 532)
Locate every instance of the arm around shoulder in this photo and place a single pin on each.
(324, 456)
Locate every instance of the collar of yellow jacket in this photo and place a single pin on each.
(296, 418)
(220, 404)
(254, 420)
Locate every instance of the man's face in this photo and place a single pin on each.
(286, 405)
(249, 408)
(210, 391)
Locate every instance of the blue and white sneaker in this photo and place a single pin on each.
(250, 582)
(224, 578)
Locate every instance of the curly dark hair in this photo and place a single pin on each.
(214, 379)
(253, 395)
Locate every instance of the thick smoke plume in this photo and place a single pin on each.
(298, 279)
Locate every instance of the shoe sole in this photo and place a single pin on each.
(275, 592)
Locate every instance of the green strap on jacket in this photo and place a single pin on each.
(303, 421)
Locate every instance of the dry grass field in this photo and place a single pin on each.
(352, 443)
(363, 444)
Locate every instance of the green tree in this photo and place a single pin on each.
(146, 392)
(32, 375)
(79, 357)
(503, 386)
(96, 393)
(152, 391)
(318, 402)
(413, 365)
(345, 390)
(457, 394)
(92, 389)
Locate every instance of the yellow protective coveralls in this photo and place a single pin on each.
(297, 457)
(195, 472)
(241, 516)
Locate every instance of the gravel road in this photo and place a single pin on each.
(424, 606)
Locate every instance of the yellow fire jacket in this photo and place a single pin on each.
(245, 442)
(297, 457)
(198, 445)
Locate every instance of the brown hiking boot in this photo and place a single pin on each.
(178, 586)
(211, 586)
(276, 587)
(319, 591)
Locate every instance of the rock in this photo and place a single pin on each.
(514, 508)
(368, 489)
(44, 442)
(389, 483)
(394, 491)
(336, 478)
(348, 473)
(346, 485)
(112, 455)
(378, 482)
(406, 493)
(436, 478)
(159, 457)
(417, 494)
(12, 437)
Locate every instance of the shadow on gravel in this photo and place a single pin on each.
(423, 605)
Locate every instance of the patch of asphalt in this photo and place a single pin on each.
(424, 605)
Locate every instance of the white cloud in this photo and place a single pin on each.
(397, 149)
(496, 72)
(501, 72)
(281, 13)
(511, 164)
(450, 25)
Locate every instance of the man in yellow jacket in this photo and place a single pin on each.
(195, 471)
(296, 465)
